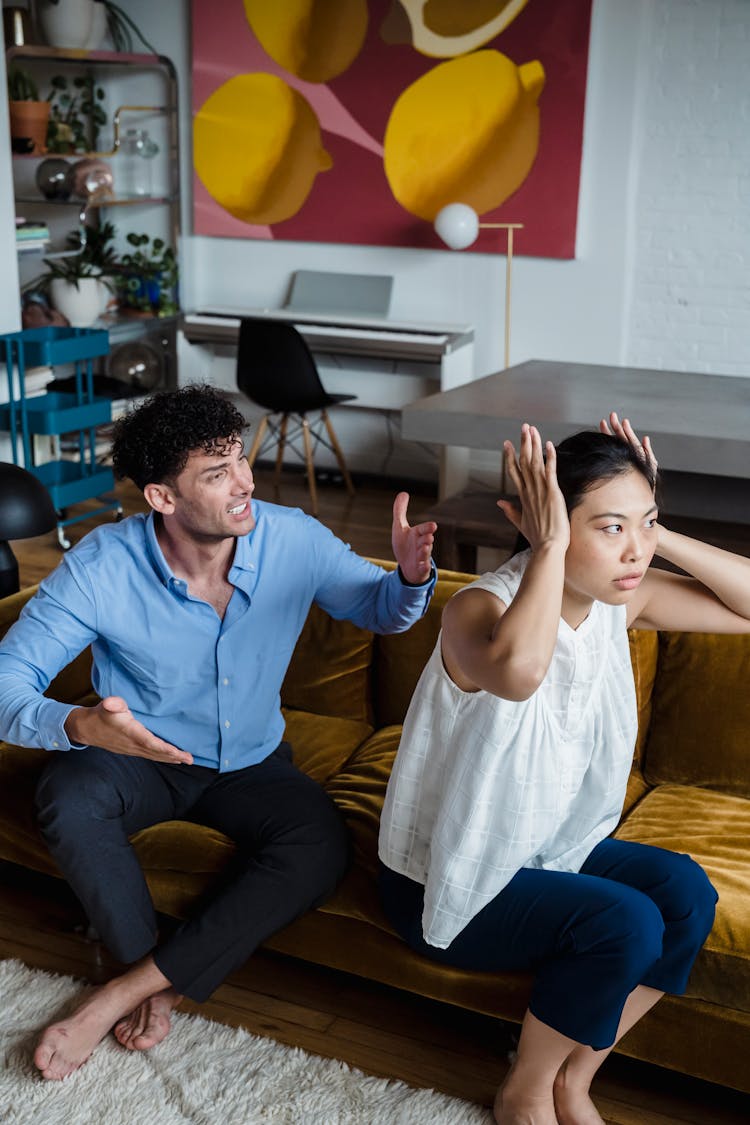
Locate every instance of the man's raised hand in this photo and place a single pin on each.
(111, 725)
(412, 546)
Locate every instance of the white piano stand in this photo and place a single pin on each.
(386, 363)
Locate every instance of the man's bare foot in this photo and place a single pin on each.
(65, 1045)
(573, 1105)
(149, 1023)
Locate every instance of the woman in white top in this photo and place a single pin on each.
(511, 773)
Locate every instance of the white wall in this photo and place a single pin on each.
(691, 270)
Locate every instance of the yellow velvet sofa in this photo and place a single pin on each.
(346, 694)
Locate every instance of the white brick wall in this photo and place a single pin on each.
(690, 282)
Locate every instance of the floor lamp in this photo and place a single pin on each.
(458, 225)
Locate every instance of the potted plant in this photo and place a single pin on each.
(76, 114)
(147, 285)
(28, 114)
(80, 284)
(85, 23)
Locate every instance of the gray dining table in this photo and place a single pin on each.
(698, 423)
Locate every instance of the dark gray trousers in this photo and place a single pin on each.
(292, 850)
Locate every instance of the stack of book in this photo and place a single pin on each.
(31, 235)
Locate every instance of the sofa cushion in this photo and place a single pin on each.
(329, 672)
(714, 828)
(644, 650)
(701, 715)
(399, 659)
(322, 743)
(359, 791)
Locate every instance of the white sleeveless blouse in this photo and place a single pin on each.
(483, 786)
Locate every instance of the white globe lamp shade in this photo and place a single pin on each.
(458, 225)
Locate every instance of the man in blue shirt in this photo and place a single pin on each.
(192, 614)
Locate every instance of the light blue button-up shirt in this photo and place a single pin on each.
(206, 685)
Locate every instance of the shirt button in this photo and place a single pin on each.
(226, 761)
(227, 723)
(251, 566)
(55, 744)
(225, 681)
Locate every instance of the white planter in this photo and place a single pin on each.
(69, 23)
(83, 305)
(98, 32)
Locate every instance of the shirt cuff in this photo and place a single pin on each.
(51, 720)
(429, 580)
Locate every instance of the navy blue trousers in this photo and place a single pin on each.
(292, 849)
(635, 914)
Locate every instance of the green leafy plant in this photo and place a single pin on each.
(96, 258)
(121, 29)
(76, 114)
(149, 275)
(21, 86)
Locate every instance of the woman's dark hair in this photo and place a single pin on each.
(587, 458)
(152, 444)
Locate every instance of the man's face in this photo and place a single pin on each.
(211, 496)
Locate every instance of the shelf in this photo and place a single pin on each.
(121, 201)
(70, 482)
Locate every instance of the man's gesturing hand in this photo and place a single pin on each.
(412, 546)
(111, 725)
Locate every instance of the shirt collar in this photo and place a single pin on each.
(242, 562)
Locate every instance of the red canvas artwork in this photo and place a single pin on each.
(346, 132)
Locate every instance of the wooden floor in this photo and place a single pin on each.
(380, 1030)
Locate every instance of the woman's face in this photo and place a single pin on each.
(613, 537)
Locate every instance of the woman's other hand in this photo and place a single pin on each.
(540, 514)
(625, 432)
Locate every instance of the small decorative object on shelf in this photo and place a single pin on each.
(80, 286)
(148, 285)
(134, 165)
(31, 235)
(90, 178)
(76, 114)
(50, 178)
(28, 114)
(86, 23)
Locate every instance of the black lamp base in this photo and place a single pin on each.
(8, 571)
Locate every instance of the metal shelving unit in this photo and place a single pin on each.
(68, 481)
(126, 74)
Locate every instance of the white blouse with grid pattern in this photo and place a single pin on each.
(483, 786)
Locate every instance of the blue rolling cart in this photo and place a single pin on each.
(55, 413)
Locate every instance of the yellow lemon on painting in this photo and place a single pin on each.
(257, 148)
(468, 130)
(314, 39)
(445, 28)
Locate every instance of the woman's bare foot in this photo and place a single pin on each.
(515, 1106)
(573, 1105)
(149, 1023)
(64, 1046)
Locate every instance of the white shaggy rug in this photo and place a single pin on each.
(202, 1074)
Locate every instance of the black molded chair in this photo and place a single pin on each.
(276, 370)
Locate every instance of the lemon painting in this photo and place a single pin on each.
(467, 131)
(314, 39)
(357, 121)
(257, 148)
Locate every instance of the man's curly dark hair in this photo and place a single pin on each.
(152, 444)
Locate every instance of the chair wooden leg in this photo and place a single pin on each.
(310, 466)
(339, 453)
(262, 425)
(280, 449)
